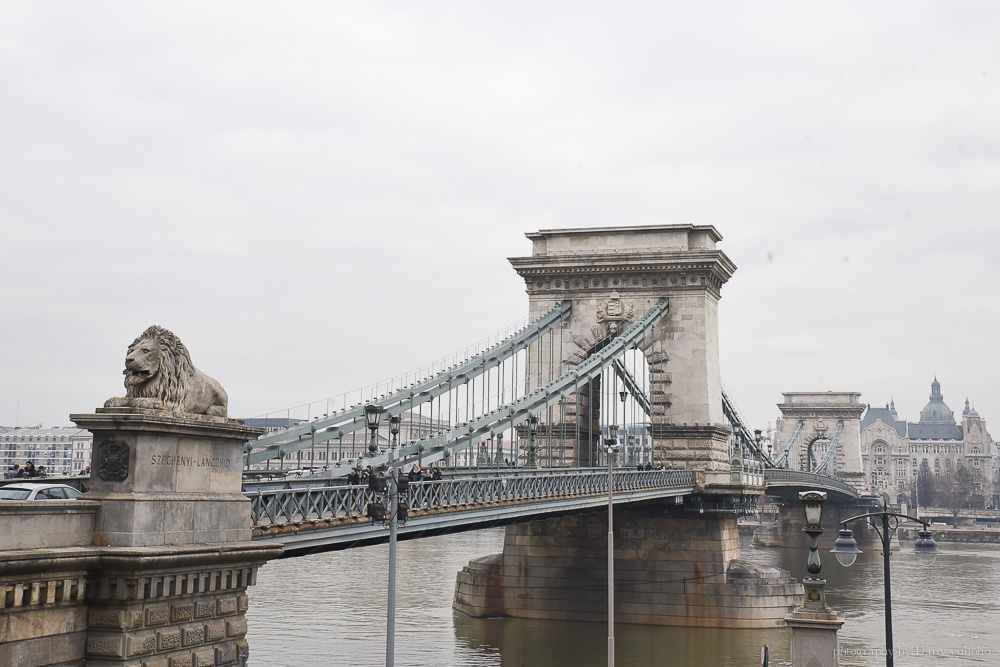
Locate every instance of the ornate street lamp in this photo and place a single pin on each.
(885, 524)
(394, 430)
(373, 414)
(612, 449)
(812, 503)
(532, 430)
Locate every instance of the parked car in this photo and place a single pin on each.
(38, 491)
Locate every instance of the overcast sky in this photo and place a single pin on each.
(315, 196)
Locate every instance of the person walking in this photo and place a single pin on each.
(415, 476)
(29, 470)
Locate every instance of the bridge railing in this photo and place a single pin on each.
(344, 501)
(746, 471)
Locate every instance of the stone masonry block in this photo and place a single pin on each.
(115, 618)
(236, 627)
(104, 645)
(215, 630)
(155, 661)
(140, 643)
(168, 639)
(243, 647)
(204, 657)
(204, 608)
(192, 634)
(242, 602)
(226, 605)
(183, 659)
(157, 614)
(180, 612)
(226, 654)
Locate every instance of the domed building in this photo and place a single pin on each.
(892, 451)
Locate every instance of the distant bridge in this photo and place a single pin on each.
(787, 484)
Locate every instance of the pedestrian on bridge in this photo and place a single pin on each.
(416, 476)
(354, 477)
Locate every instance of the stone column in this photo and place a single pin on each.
(165, 478)
(814, 638)
(169, 586)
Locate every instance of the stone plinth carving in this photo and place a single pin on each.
(159, 375)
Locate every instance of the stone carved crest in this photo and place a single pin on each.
(820, 428)
(614, 311)
(113, 463)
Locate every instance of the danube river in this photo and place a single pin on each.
(329, 609)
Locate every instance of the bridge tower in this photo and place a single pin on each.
(612, 276)
(821, 431)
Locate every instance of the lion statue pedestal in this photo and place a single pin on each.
(167, 464)
(167, 479)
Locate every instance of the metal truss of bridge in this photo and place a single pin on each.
(478, 372)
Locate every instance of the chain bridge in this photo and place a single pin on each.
(618, 357)
(610, 388)
(622, 348)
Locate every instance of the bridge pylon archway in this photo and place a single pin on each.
(821, 432)
(612, 276)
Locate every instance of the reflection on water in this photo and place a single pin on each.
(329, 609)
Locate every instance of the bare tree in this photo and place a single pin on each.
(954, 490)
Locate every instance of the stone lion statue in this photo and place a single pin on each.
(159, 375)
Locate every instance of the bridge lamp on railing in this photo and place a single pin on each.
(885, 524)
(394, 421)
(373, 415)
(532, 431)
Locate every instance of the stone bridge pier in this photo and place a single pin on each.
(672, 567)
(787, 530)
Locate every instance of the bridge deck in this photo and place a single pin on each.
(333, 517)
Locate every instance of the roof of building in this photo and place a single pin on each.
(887, 416)
(935, 431)
(936, 412)
(969, 411)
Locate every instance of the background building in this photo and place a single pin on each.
(62, 450)
(894, 451)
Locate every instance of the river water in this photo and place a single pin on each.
(329, 609)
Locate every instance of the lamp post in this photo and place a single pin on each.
(812, 503)
(532, 430)
(394, 421)
(885, 524)
(373, 414)
(814, 625)
(612, 448)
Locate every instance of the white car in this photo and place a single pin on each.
(38, 491)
